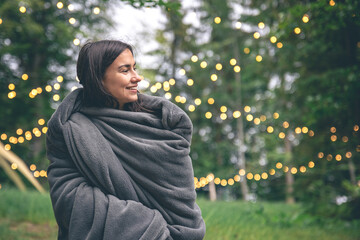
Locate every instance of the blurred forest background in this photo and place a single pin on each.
(272, 88)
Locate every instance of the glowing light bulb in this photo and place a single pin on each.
(256, 35)
(273, 39)
(190, 82)
(305, 18)
(208, 115)
(96, 10)
(217, 20)
(218, 66)
(194, 58)
(213, 77)
(72, 20)
(236, 114)
(22, 9)
(203, 64)
(261, 25)
(297, 30)
(270, 129)
(76, 42)
(59, 5)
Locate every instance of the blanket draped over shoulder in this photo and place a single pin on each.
(117, 174)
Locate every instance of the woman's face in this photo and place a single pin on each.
(121, 79)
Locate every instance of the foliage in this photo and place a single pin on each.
(39, 43)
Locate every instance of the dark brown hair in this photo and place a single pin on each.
(94, 58)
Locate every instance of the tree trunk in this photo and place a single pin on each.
(14, 176)
(289, 177)
(240, 131)
(352, 171)
(22, 167)
(37, 145)
(212, 191)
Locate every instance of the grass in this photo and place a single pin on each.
(29, 216)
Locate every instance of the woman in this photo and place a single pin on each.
(120, 165)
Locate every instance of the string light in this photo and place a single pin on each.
(11, 86)
(217, 20)
(211, 101)
(182, 72)
(59, 5)
(203, 64)
(282, 135)
(168, 95)
(297, 30)
(332, 3)
(261, 25)
(60, 79)
(246, 50)
(213, 77)
(72, 20)
(236, 114)
(197, 101)
(194, 58)
(237, 69)
(223, 109)
(273, 39)
(218, 66)
(247, 109)
(56, 97)
(232, 61)
(208, 115)
(223, 116)
(190, 82)
(76, 42)
(24, 77)
(249, 117)
(71, 7)
(304, 130)
(11, 94)
(279, 45)
(191, 108)
(256, 35)
(96, 10)
(305, 18)
(258, 58)
(22, 9)
(238, 25)
(333, 138)
(270, 129)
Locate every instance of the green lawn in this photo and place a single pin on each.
(29, 215)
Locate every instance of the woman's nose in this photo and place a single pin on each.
(136, 77)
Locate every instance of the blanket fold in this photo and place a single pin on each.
(116, 174)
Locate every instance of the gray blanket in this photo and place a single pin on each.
(122, 175)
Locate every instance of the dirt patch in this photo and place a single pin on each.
(29, 230)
